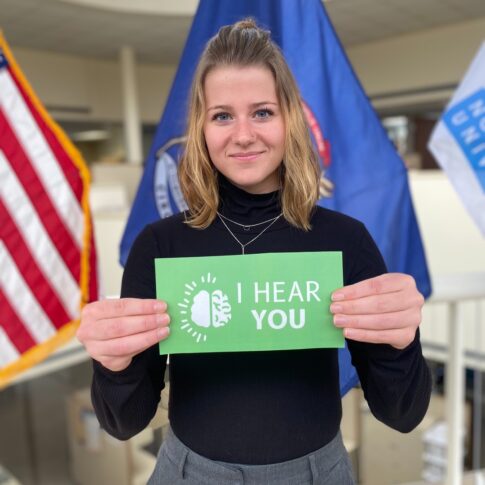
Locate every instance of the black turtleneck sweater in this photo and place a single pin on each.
(257, 407)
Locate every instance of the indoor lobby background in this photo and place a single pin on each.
(103, 69)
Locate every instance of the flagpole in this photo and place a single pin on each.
(455, 381)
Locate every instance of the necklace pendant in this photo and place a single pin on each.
(246, 228)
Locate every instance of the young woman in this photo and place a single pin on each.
(250, 178)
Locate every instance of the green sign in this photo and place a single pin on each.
(271, 301)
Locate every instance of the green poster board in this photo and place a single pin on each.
(272, 301)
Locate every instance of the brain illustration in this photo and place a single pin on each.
(210, 309)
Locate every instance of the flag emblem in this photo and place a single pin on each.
(168, 195)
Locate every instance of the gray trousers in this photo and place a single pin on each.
(178, 465)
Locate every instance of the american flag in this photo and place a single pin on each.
(47, 253)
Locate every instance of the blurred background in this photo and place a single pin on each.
(104, 68)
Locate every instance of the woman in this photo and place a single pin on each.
(250, 178)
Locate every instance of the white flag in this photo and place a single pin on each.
(458, 140)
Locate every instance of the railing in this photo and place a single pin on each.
(452, 333)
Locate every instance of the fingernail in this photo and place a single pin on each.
(337, 296)
(162, 318)
(334, 308)
(160, 306)
(348, 333)
(163, 332)
(339, 320)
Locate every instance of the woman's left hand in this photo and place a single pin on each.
(382, 310)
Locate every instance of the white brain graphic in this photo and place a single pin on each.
(210, 309)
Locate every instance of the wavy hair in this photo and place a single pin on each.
(245, 44)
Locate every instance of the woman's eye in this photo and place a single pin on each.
(221, 117)
(263, 113)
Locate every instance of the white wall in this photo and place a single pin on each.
(433, 57)
(79, 82)
(452, 241)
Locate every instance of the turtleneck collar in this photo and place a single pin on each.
(246, 208)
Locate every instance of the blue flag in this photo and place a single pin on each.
(369, 179)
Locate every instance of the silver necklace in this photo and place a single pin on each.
(246, 227)
(243, 246)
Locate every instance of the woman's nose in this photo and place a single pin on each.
(243, 133)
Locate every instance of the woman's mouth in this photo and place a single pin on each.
(245, 156)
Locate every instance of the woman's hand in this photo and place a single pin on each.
(114, 331)
(381, 310)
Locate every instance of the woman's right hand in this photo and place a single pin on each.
(114, 331)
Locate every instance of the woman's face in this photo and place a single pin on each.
(244, 128)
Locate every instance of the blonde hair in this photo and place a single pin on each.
(245, 44)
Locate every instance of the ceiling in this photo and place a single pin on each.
(73, 28)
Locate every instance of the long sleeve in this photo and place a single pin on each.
(396, 383)
(239, 406)
(127, 400)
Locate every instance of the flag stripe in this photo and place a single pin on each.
(93, 290)
(22, 300)
(8, 353)
(65, 152)
(29, 268)
(40, 245)
(14, 329)
(28, 178)
(42, 157)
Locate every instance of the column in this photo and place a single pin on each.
(131, 112)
